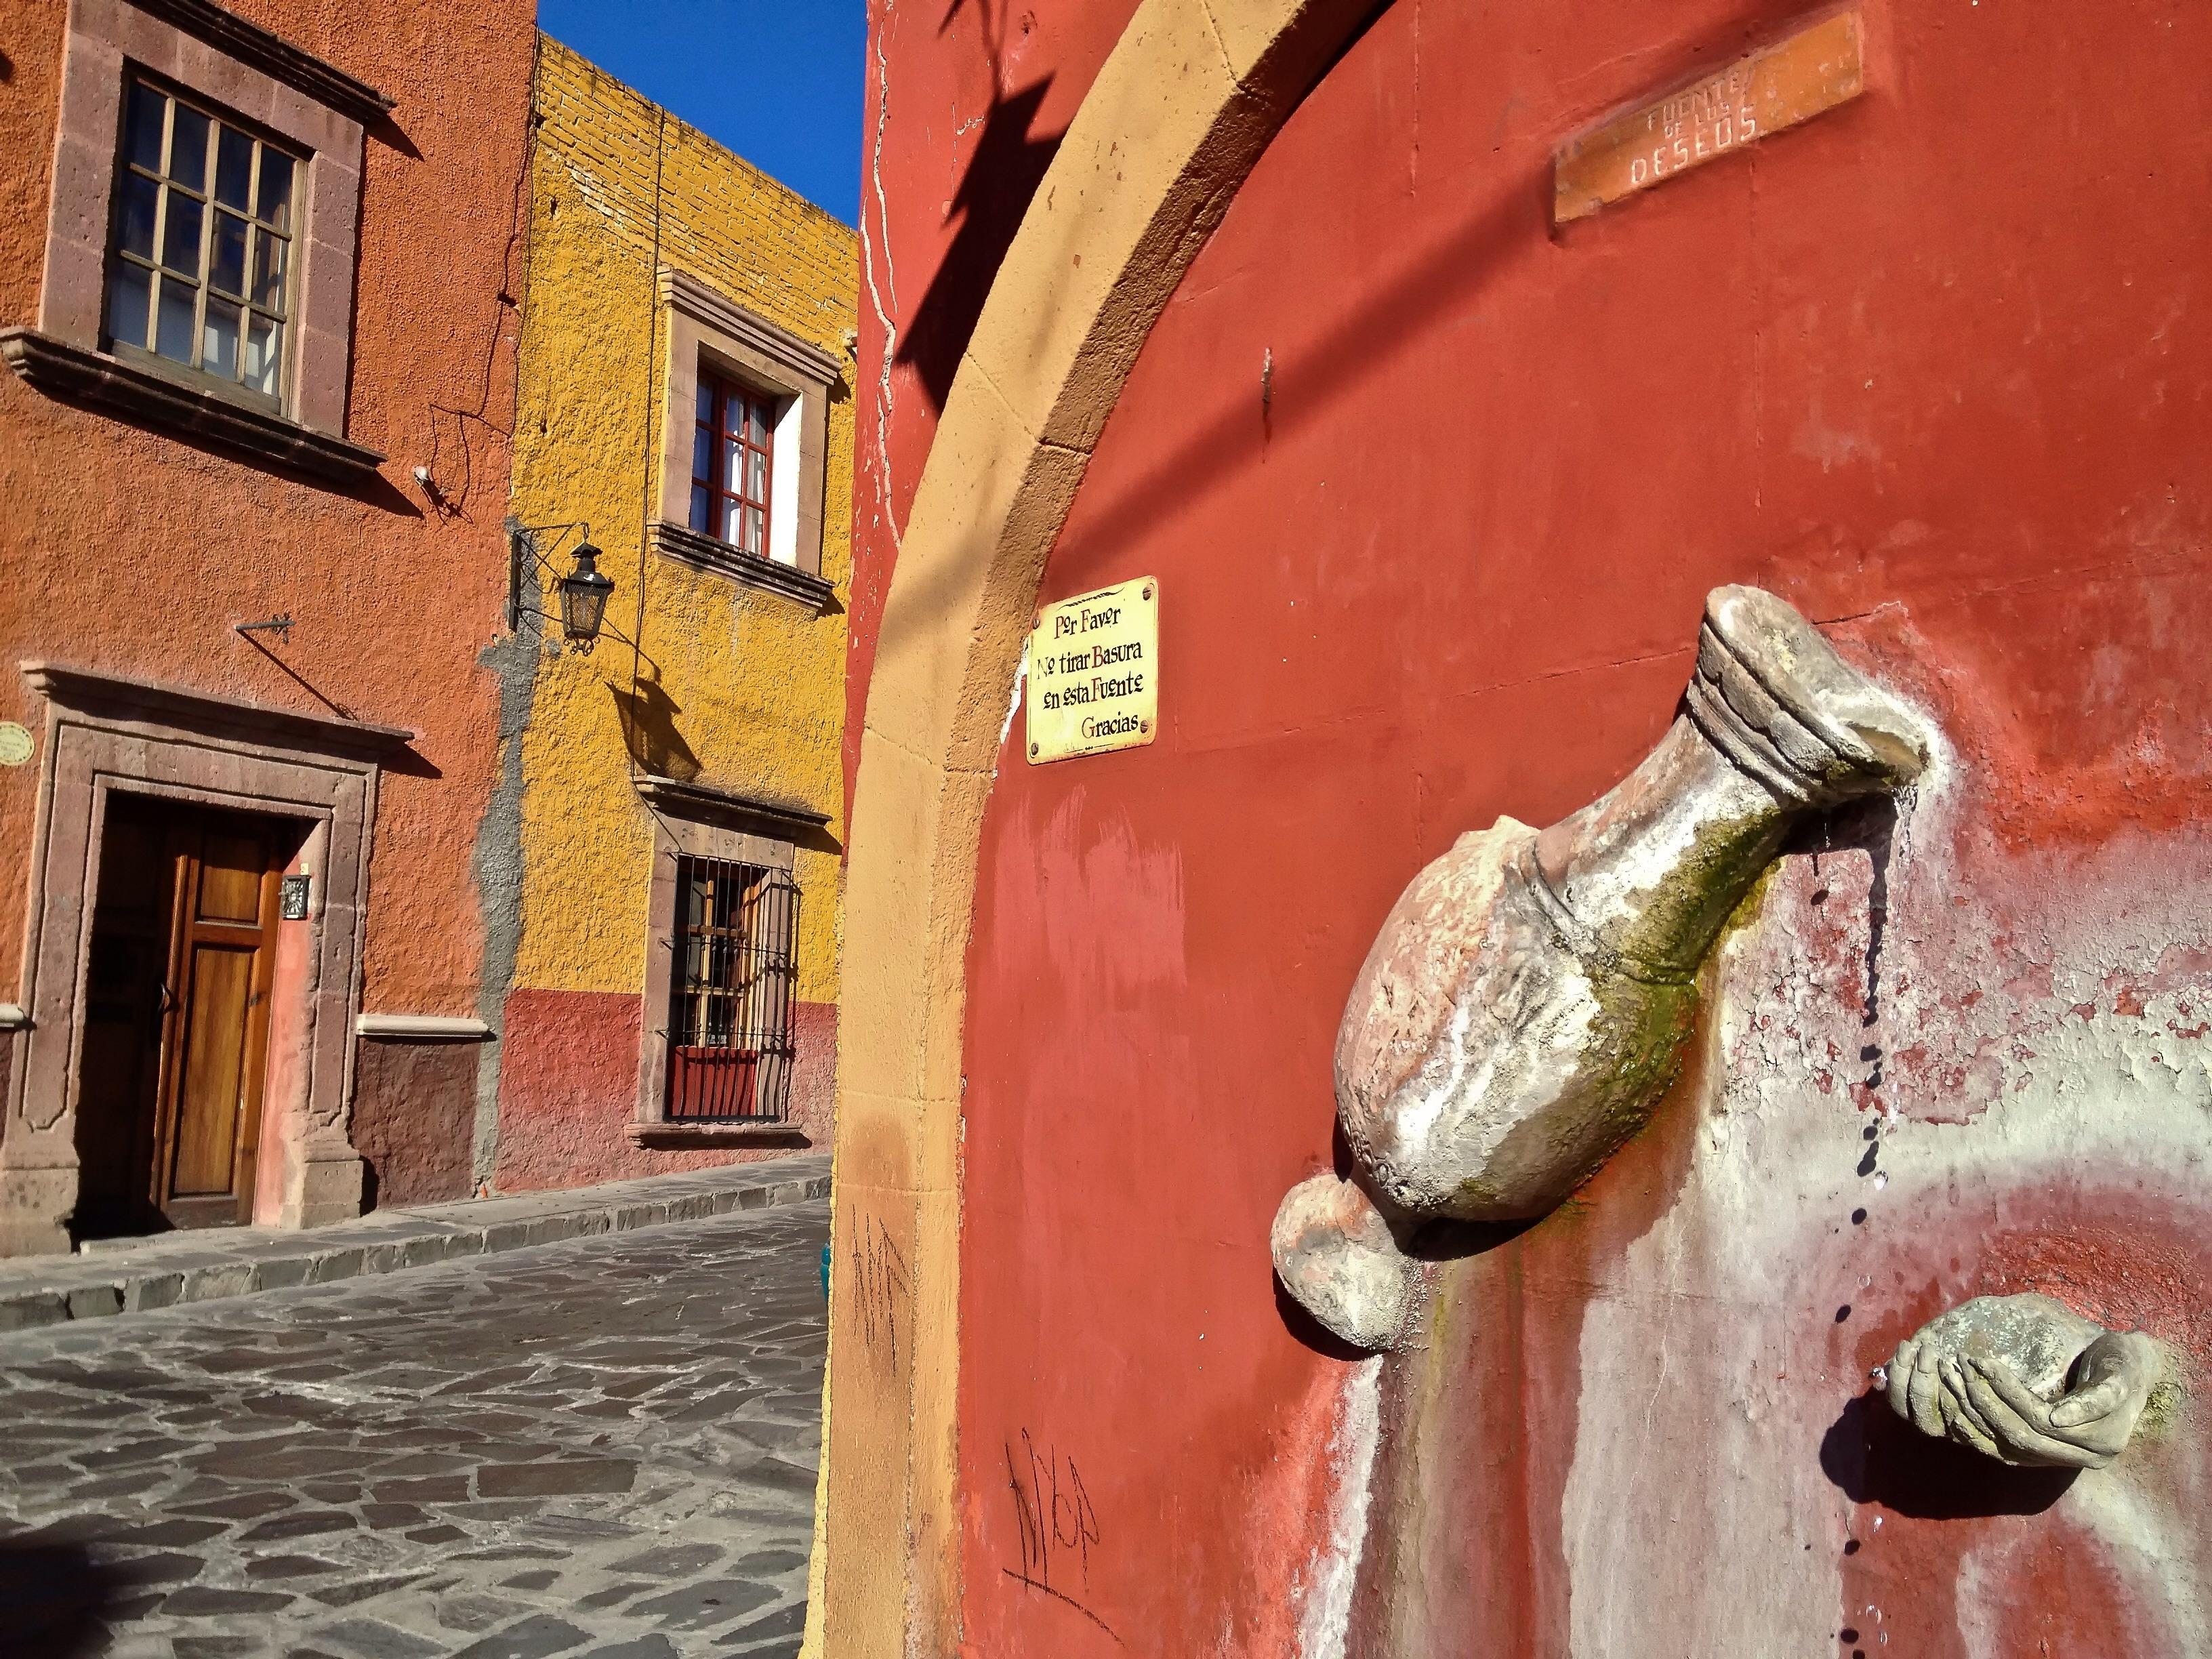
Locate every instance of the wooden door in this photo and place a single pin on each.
(118, 1072)
(215, 1025)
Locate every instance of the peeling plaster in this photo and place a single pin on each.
(1997, 1099)
(497, 867)
(1013, 703)
(590, 189)
(1332, 1571)
(2140, 1533)
(879, 450)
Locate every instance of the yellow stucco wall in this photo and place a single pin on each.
(748, 683)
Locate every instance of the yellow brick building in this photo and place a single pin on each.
(665, 854)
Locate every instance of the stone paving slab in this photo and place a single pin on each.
(204, 1265)
(599, 1449)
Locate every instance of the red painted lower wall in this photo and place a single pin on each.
(414, 1119)
(567, 1092)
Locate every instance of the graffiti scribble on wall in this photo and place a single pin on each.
(884, 1289)
(1527, 999)
(1057, 1523)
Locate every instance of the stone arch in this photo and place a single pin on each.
(1181, 110)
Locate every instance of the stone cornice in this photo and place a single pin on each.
(275, 56)
(88, 691)
(717, 310)
(698, 801)
(74, 374)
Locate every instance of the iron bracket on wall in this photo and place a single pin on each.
(522, 550)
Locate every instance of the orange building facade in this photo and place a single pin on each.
(258, 276)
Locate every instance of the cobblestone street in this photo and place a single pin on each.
(601, 1448)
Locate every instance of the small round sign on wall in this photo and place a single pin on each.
(15, 745)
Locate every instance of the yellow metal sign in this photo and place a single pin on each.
(1094, 681)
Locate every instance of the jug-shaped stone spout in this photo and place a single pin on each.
(1528, 999)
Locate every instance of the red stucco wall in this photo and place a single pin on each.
(963, 113)
(1936, 367)
(414, 1118)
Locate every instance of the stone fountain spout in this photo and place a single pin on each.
(1529, 996)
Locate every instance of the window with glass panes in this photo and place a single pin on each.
(202, 247)
(730, 442)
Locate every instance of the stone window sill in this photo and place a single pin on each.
(422, 1027)
(666, 1134)
(74, 375)
(701, 803)
(687, 546)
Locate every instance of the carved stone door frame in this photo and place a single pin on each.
(107, 735)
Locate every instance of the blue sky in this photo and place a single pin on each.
(779, 84)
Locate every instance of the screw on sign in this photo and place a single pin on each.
(1093, 682)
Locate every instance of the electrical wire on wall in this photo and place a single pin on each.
(510, 289)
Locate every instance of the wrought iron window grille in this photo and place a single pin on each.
(729, 1047)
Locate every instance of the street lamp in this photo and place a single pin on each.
(584, 590)
(584, 594)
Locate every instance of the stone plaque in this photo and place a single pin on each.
(1817, 68)
(1094, 682)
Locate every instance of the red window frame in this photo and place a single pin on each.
(732, 460)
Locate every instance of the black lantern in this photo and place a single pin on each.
(584, 590)
(584, 594)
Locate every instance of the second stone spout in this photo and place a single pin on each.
(1527, 1000)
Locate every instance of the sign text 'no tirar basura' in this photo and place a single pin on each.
(1094, 681)
(1820, 65)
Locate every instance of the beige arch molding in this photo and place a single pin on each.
(1182, 109)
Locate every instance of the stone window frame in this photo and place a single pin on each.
(106, 735)
(245, 73)
(692, 821)
(704, 325)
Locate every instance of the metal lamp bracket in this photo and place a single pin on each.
(521, 545)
